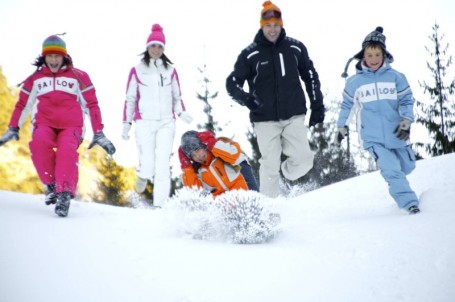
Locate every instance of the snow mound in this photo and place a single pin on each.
(238, 216)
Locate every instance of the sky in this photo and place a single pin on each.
(106, 38)
(344, 242)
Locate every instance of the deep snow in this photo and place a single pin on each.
(344, 242)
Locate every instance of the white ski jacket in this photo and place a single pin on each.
(152, 93)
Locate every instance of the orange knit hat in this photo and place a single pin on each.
(270, 13)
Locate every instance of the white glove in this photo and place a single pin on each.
(126, 130)
(186, 117)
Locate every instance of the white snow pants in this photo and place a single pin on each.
(154, 143)
(290, 138)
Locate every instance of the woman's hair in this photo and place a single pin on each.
(146, 59)
(41, 60)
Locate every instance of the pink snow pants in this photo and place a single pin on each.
(55, 156)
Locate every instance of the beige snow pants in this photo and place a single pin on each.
(289, 137)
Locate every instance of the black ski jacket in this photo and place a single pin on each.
(273, 72)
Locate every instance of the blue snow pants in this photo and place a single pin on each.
(395, 164)
(248, 175)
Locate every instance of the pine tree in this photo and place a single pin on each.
(256, 154)
(111, 185)
(17, 172)
(205, 95)
(438, 116)
(331, 164)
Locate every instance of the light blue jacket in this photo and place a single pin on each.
(380, 99)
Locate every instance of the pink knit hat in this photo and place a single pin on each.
(156, 36)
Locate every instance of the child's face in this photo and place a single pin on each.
(374, 57)
(54, 62)
(199, 156)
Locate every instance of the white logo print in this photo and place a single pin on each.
(376, 92)
(48, 84)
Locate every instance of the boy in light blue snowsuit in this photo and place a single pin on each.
(385, 103)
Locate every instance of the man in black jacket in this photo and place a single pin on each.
(274, 65)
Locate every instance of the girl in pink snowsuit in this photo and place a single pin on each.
(64, 95)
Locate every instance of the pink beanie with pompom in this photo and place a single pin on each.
(156, 36)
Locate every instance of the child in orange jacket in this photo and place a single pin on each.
(214, 164)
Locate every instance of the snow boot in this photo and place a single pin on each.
(50, 196)
(63, 204)
(413, 210)
(141, 184)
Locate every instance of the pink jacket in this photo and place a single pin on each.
(63, 98)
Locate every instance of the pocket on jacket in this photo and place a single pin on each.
(411, 154)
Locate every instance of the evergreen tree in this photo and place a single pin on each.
(111, 185)
(101, 179)
(17, 172)
(205, 95)
(176, 183)
(438, 116)
(331, 164)
(255, 154)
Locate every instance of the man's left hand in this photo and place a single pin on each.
(317, 116)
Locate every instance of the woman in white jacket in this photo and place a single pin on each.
(153, 98)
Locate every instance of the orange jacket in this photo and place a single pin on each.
(221, 171)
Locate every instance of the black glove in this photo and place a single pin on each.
(11, 133)
(403, 130)
(317, 115)
(101, 140)
(254, 103)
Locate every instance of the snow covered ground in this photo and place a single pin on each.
(345, 242)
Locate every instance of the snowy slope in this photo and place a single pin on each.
(344, 242)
